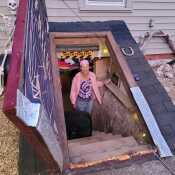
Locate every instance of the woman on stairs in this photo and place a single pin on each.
(84, 89)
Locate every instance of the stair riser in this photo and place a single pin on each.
(104, 155)
(101, 146)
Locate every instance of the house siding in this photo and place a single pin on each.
(161, 11)
(3, 37)
(3, 27)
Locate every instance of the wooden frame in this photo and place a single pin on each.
(112, 45)
(84, 6)
(114, 49)
(115, 53)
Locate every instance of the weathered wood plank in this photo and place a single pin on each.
(115, 52)
(120, 95)
(94, 139)
(101, 146)
(96, 156)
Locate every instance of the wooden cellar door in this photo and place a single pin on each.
(33, 100)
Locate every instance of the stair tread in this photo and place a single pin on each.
(99, 133)
(94, 134)
(93, 139)
(96, 156)
(101, 146)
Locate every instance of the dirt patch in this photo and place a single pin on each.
(9, 145)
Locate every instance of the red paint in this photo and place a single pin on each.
(159, 56)
(17, 53)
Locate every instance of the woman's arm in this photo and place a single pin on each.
(73, 92)
(96, 85)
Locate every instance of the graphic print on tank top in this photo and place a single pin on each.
(85, 89)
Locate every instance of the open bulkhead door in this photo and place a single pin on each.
(33, 99)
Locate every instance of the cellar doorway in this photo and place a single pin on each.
(117, 121)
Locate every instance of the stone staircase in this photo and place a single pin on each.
(101, 146)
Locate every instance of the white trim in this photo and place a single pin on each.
(97, 3)
(85, 6)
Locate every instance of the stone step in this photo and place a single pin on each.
(94, 138)
(104, 155)
(101, 146)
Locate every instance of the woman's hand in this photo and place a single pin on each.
(107, 81)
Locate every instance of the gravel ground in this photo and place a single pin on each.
(9, 145)
(166, 75)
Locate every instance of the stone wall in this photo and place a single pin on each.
(112, 116)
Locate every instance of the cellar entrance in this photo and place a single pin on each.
(117, 128)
